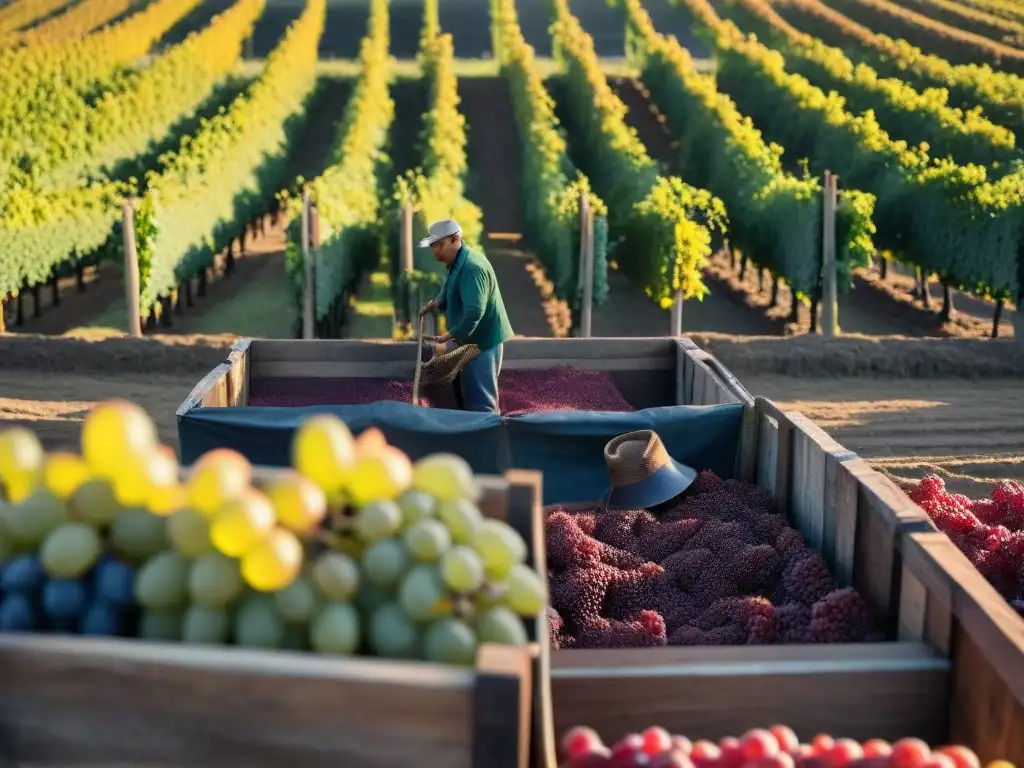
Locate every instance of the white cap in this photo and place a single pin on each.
(439, 230)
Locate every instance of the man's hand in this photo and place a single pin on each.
(430, 306)
(444, 338)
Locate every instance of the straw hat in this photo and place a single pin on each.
(439, 230)
(444, 368)
(641, 473)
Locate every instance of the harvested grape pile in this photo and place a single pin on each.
(990, 532)
(521, 391)
(721, 567)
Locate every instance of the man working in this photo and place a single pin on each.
(473, 311)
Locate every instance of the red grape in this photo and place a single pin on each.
(909, 753)
(784, 736)
(822, 744)
(758, 743)
(961, 756)
(939, 761)
(844, 752)
(705, 750)
(878, 748)
(580, 741)
(656, 740)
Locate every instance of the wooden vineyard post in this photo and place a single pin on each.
(829, 301)
(586, 265)
(307, 268)
(131, 269)
(406, 264)
(677, 315)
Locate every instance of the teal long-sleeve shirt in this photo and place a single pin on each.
(471, 301)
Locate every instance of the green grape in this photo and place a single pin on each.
(206, 626)
(415, 505)
(335, 629)
(298, 602)
(371, 597)
(70, 550)
(525, 593)
(161, 625)
(215, 580)
(462, 518)
(427, 540)
(499, 546)
(462, 569)
(500, 625)
(336, 576)
(296, 637)
(450, 641)
(257, 623)
(189, 532)
(392, 634)
(94, 502)
(29, 522)
(163, 581)
(378, 520)
(422, 594)
(385, 562)
(137, 534)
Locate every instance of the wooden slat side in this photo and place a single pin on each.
(767, 451)
(746, 458)
(238, 379)
(501, 707)
(845, 512)
(97, 703)
(211, 391)
(885, 690)
(682, 365)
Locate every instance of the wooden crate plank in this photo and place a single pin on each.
(747, 455)
(844, 548)
(767, 451)
(211, 391)
(886, 690)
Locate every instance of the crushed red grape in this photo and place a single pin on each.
(720, 567)
(520, 391)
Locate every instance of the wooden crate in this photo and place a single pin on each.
(105, 702)
(682, 373)
(947, 603)
(858, 519)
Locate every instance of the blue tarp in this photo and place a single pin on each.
(567, 446)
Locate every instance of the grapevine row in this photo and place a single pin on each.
(347, 194)
(77, 139)
(21, 13)
(1000, 94)
(204, 194)
(29, 76)
(551, 186)
(945, 218)
(934, 36)
(976, 20)
(966, 136)
(776, 217)
(77, 21)
(663, 227)
(1004, 9)
(436, 189)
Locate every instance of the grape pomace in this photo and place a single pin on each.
(216, 478)
(298, 603)
(335, 629)
(462, 518)
(393, 634)
(138, 535)
(215, 580)
(462, 569)
(273, 562)
(206, 626)
(257, 623)
(29, 522)
(378, 520)
(446, 477)
(336, 576)
(427, 540)
(189, 532)
(163, 581)
(70, 550)
(385, 562)
(450, 641)
(242, 522)
(499, 546)
(94, 502)
(422, 595)
(299, 503)
(500, 625)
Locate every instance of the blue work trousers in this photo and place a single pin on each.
(477, 384)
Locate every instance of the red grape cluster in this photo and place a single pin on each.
(775, 747)
(990, 532)
(520, 391)
(718, 567)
